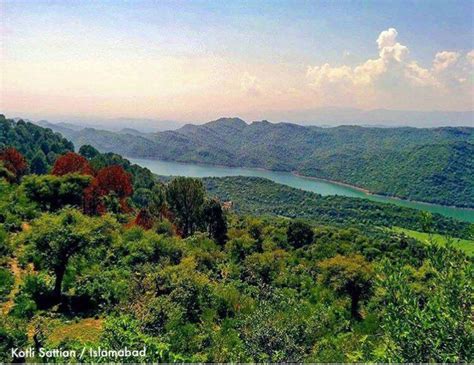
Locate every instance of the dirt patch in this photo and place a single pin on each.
(17, 272)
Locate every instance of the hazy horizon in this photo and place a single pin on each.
(197, 61)
(323, 117)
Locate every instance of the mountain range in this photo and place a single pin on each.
(434, 165)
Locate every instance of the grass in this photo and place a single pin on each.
(465, 245)
(85, 331)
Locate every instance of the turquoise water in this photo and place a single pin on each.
(169, 168)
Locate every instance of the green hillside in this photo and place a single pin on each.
(97, 253)
(432, 165)
(33, 141)
(258, 196)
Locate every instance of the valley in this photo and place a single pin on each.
(322, 187)
(419, 164)
(100, 251)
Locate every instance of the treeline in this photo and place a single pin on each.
(259, 196)
(79, 181)
(38, 145)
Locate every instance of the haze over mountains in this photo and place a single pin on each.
(380, 117)
(433, 165)
(328, 116)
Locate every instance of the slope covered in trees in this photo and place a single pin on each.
(39, 146)
(433, 165)
(258, 196)
(165, 267)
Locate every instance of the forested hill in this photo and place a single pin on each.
(432, 165)
(96, 253)
(40, 146)
(262, 197)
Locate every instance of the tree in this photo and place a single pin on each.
(142, 197)
(72, 163)
(427, 311)
(88, 151)
(215, 221)
(157, 204)
(299, 234)
(6, 173)
(54, 192)
(350, 275)
(114, 179)
(111, 180)
(56, 238)
(39, 165)
(154, 199)
(144, 219)
(185, 197)
(14, 162)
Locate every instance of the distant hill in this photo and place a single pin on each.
(434, 165)
(334, 116)
(116, 124)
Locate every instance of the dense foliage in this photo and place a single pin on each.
(36, 144)
(433, 165)
(179, 274)
(259, 196)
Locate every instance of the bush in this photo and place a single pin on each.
(24, 307)
(299, 234)
(164, 227)
(6, 282)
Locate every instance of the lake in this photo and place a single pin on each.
(169, 168)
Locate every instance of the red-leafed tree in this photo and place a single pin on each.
(14, 162)
(109, 180)
(115, 179)
(144, 219)
(72, 163)
(93, 203)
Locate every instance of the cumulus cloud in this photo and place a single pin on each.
(470, 57)
(392, 71)
(444, 59)
(389, 48)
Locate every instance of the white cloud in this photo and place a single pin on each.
(387, 38)
(391, 76)
(444, 59)
(419, 76)
(367, 72)
(389, 49)
(470, 57)
(321, 75)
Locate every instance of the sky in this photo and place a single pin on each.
(199, 60)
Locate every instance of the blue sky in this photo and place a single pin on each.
(236, 57)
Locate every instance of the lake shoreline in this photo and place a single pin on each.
(368, 192)
(180, 168)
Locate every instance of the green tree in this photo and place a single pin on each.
(53, 192)
(427, 311)
(299, 234)
(55, 238)
(215, 221)
(185, 197)
(39, 165)
(351, 275)
(13, 334)
(88, 151)
(157, 203)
